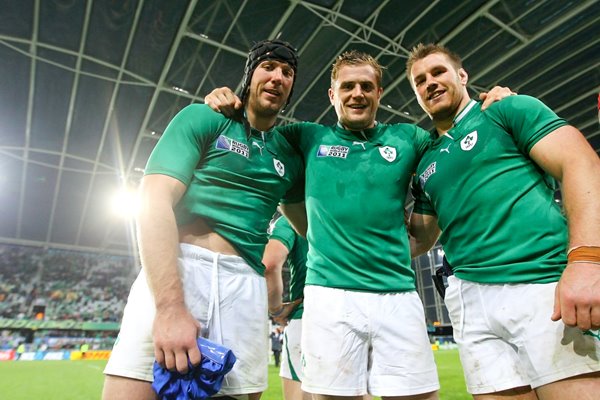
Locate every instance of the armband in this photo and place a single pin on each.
(584, 255)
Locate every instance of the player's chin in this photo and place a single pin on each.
(274, 103)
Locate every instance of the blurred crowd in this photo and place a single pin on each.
(63, 284)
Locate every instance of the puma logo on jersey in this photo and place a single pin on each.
(225, 143)
(333, 151)
(427, 174)
(447, 149)
(260, 148)
(469, 141)
(362, 144)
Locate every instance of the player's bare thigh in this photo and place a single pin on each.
(119, 388)
(422, 396)
(582, 387)
(292, 390)
(519, 393)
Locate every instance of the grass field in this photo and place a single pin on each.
(82, 380)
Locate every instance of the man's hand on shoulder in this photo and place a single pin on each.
(496, 94)
(224, 101)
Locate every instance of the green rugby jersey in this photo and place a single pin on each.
(296, 261)
(356, 185)
(495, 206)
(234, 182)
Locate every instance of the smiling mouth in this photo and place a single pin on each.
(436, 94)
(272, 92)
(357, 106)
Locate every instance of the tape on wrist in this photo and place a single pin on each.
(584, 254)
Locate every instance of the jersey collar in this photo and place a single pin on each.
(365, 135)
(464, 112)
(454, 136)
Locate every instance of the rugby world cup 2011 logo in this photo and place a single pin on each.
(427, 173)
(225, 143)
(333, 151)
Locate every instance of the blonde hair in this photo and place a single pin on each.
(355, 57)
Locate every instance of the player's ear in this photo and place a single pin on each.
(464, 76)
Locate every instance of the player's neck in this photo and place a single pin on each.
(445, 121)
(260, 122)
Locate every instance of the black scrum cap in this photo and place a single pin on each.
(275, 49)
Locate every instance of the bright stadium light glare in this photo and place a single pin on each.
(125, 203)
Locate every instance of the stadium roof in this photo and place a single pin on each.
(87, 87)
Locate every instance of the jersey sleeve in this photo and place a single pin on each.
(296, 192)
(422, 140)
(526, 118)
(180, 148)
(422, 204)
(284, 233)
(293, 135)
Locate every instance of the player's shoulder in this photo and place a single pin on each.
(198, 111)
(519, 102)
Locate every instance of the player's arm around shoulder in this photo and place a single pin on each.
(223, 100)
(422, 139)
(423, 233)
(568, 157)
(274, 257)
(296, 215)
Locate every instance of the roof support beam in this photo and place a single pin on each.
(107, 120)
(74, 87)
(30, 101)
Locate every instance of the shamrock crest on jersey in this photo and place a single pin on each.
(469, 141)
(279, 167)
(388, 153)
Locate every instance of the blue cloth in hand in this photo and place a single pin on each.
(201, 381)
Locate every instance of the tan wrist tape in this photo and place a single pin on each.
(584, 254)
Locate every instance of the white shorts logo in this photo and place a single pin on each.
(469, 141)
(279, 167)
(388, 153)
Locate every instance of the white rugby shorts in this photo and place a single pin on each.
(506, 338)
(226, 296)
(291, 356)
(354, 343)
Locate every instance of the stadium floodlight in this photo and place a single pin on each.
(125, 203)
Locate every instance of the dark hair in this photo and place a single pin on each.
(274, 49)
